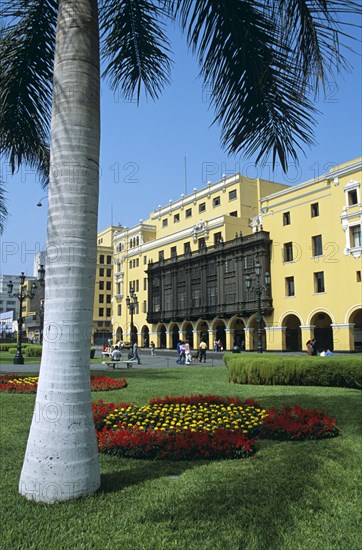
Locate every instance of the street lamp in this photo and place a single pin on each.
(131, 304)
(259, 290)
(22, 295)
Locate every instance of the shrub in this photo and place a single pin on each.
(341, 371)
(33, 351)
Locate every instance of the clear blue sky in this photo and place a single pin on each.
(143, 150)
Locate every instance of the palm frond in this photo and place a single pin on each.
(314, 30)
(256, 89)
(26, 54)
(3, 209)
(135, 46)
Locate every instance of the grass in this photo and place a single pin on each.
(291, 495)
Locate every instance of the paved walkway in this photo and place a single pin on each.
(164, 359)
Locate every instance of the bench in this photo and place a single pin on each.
(113, 364)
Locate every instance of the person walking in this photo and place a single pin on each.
(202, 350)
(135, 353)
(152, 346)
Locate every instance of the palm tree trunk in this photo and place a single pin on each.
(61, 460)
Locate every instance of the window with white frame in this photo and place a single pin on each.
(355, 236)
(352, 193)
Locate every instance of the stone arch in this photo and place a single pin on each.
(237, 332)
(252, 324)
(188, 330)
(292, 337)
(219, 330)
(356, 319)
(145, 336)
(119, 334)
(323, 331)
(202, 328)
(174, 331)
(161, 334)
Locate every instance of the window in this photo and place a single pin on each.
(145, 283)
(101, 259)
(355, 235)
(196, 297)
(173, 251)
(130, 264)
(109, 285)
(187, 248)
(314, 210)
(101, 285)
(109, 260)
(352, 197)
(229, 266)
(119, 309)
(202, 243)
(101, 298)
(108, 312)
(100, 312)
(232, 195)
(109, 272)
(288, 252)
(181, 298)
(211, 295)
(144, 306)
(289, 286)
(108, 298)
(216, 201)
(188, 213)
(286, 218)
(160, 255)
(168, 299)
(319, 281)
(317, 246)
(144, 260)
(202, 207)
(358, 276)
(176, 218)
(234, 213)
(165, 222)
(156, 303)
(101, 272)
(217, 237)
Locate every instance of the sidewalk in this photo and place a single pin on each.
(164, 359)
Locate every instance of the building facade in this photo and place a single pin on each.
(315, 228)
(103, 292)
(192, 266)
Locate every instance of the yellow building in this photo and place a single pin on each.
(199, 221)
(315, 228)
(193, 266)
(103, 293)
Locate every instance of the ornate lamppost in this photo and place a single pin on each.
(258, 288)
(22, 295)
(132, 302)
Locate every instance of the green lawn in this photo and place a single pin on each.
(294, 495)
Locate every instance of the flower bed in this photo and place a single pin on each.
(201, 427)
(28, 384)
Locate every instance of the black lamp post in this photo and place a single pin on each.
(132, 302)
(22, 295)
(259, 290)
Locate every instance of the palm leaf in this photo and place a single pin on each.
(26, 53)
(3, 209)
(135, 46)
(258, 72)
